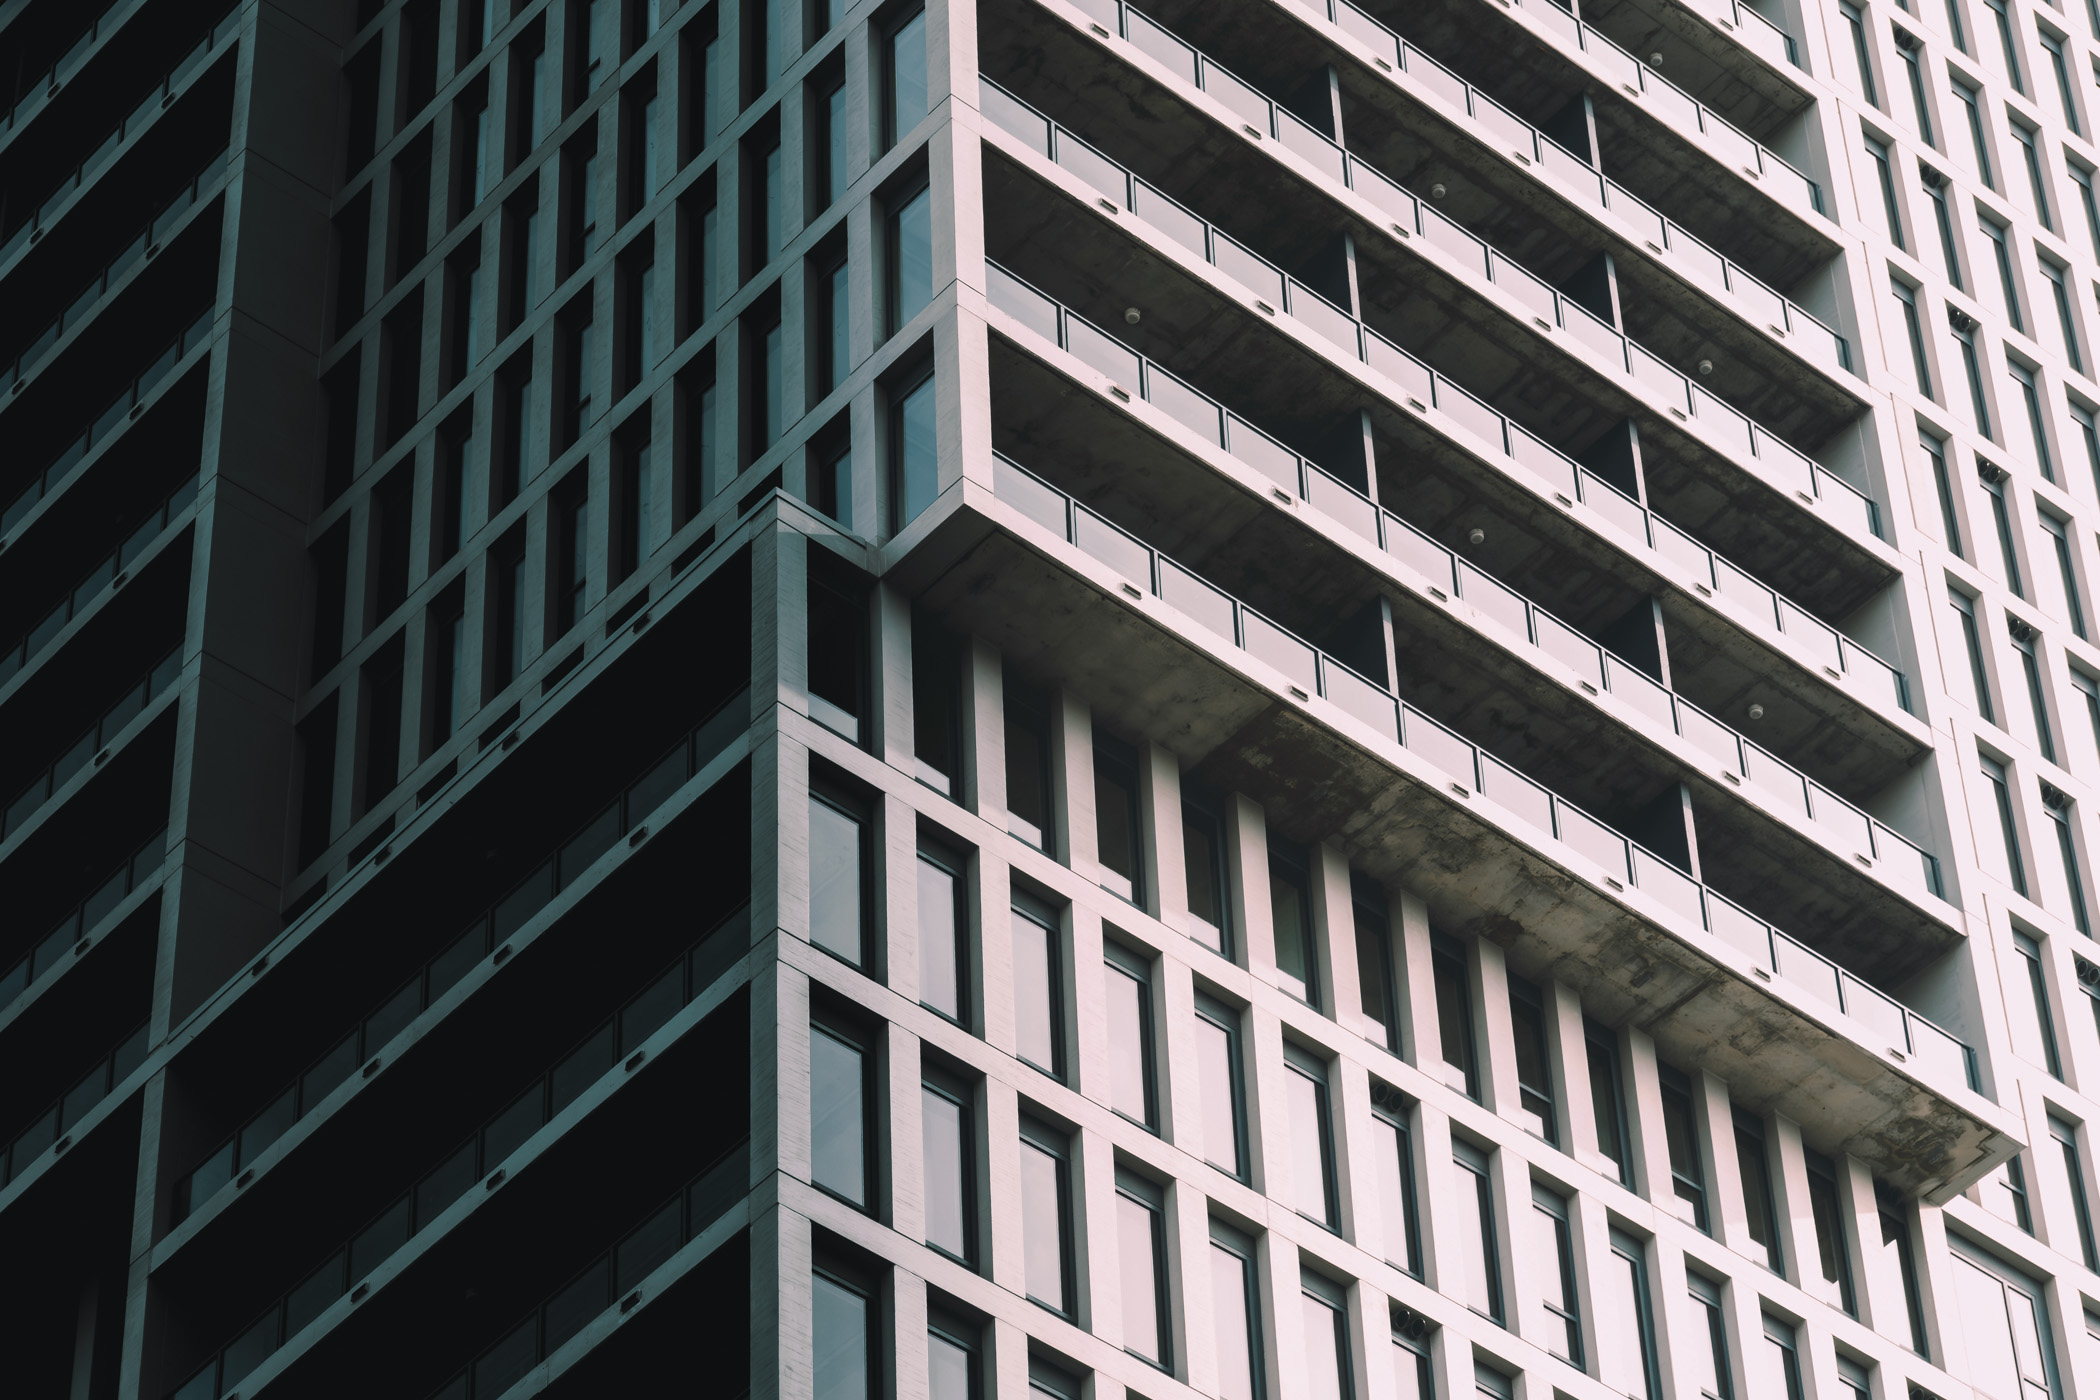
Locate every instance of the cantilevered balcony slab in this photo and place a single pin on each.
(1733, 59)
(1266, 716)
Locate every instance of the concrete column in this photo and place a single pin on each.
(1088, 1054)
(1571, 1078)
(902, 1186)
(1097, 1255)
(1003, 1263)
(1421, 1041)
(984, 732)
(1497, 1039)
(1072, 769)
(1356, 1148)
(1246, 835)
(1166, 867)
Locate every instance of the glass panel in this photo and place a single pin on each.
(1168, 217)
(1113, 548)
(1245, 103)
(1157, 44)
(1643, 693)
(1013, 115)
(1042, 1226)
(1183, 404)
(1877, 1009)
(1440, 746)
(1201, 602)
(1350, 508)
(835, 881)
(1237, 261)
(1710, 736)
(1569, 647)
(1267, 642)
(1035, 993)
(1030, 496)
(1665, 882)
(1403, 369)
(838, 1126)
(1221, 1139)
(1740, 930)
(1332, 323)
(1231, 1280)
(1309, 145)
(1367, 702)
(839, 1322)
(1594, 839)
(1409, 545)
(1472, 416)
(947, 1225)
(1091, 166)
(1031, 308)
(1508, 788)
(1441, 232)
(1102, 352)
(1806, 970)
(1501, 603)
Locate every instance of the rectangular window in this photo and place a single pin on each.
(1855, 1381)
(841, 1082)
(1326, 1314)
(1551, 1266)
(1879, 154)
(1760, 1208)
(508, 629)
(1826, 1204)
(1855, 22)
(950, 1166)
(953, 1371)
(1118, 818)
(1290, 911)
(2090, 689)
(2083, 179)
(1535, 1097)
(841, 1318)
(2066, 321)
(838, 655)
(2004, 1194)
(2037, 184)
(831, 478)
(1218, 1080)
(936, 701)
(839, 868)
(1972, 639)
(1235, 1314)
(944, 952)
(1972, 367)
(910, 248)
(2031, 395)
(1491, 1384)
(1907, 298)
(1454, 1013)
(1681, 1134)
(448, 689)
(1128, 979)
(1707, 1356)
(2007, 45)
(1046, 1216)
(1971, 108)
(1626, 1329)
(1203, 859)
(1028, 761)
(903, 77)
(2057, 807)
(579, 372)
(2030, 953)
(634, 459)
(1907, 50)
(1141, 1248)
(1935, 190)
(2066, 572)
(2001, 514)
(572, 552)
(1375, 988)
(1392, 1143)
(2088, 434)
(834, 326)
(1608, 1098)
(2023, 640)
(2008, 284)
(2074, 1175)
(382, 677)
(768, 396)
(465, 282)
(2001, 795)
(1312, 1138)
(1038, 988)
(1474, 1222)
(1412, 1373)
(1896, 1249)
(635, 281)
(914, 463)
(827, 140)
(1950, 521)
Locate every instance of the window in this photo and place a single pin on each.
(1393, 1146)
(2008, 285)
(2057, 806)
(1709, 1365)
(1048, 1382)
(950, 1166)
(2006, 1325)
(1028, 755)
(2059, 537)
(914, 467)
(1475, 1229)
(1326, 1315)
(1551, 1264)
(1979, 407)
(952, 1368)
(1855, 1381)
(944, 945)
(768, 397)
(635, 281)
(2089, 434)
(1118, 819)
(507, 566)
(910, 247)
(1896, 1249)
(2036, 185)
(1454, 1013)
(838, 654)
(1780, 1373)
(1907, 298)
(2083, 178)
(2023, 638)
(1375, 989)
(831, 478)
(572, 552)
(1312, 1138)
(2001, 794)
(2090, 689)
(1203, 858)
(2004, 1194)
(2054, 47)
(1290, 910)
(2066, 322)
(1954, 25)
(580, 196)
(1218, 1080)
(1826, 1205)
(1626, 1331)
(1039, 1017)
(828, 148)
(1950, 522)
(835, 326)
(1681, 1134)
(1907, 49)
(1235, 1314)
(1535, 1098)
(465, 282)
(1973, 640)
(936, 705)
(634, 485)
(903, 77)
(382, 680)
(844, 1332)
(448, 658)
(1993, 478)
(1132, 1093)
(638, 113)
(2007, 46)
(1491, 1384)
(766, 230)
(1141, 1247)
(1046, 1216)
(1935, 190)
(2074, 1175)
(1412, 1373)
(1855, 22)
(1968, 98)
(2030, 953)
(1879, 154)
(1759, 1207)
(389, 528)
(841, 1084)
(707, 468)
(838, 875)
(1608, 1098)
(2030, 394)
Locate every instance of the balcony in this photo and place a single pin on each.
(1334, 756)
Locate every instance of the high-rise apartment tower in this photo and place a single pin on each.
(978, 699)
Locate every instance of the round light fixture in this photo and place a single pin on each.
(1130, 315)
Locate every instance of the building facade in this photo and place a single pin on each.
(1261, 699)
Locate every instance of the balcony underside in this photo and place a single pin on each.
(984, 569)
(1488, 688)
(1712, 66)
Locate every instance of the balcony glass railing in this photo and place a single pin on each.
(37, 90)
(488, 930)
(107, 423)
(139, 867)
(1752, 30)
(613, 1275)
(1795, 632)
(155, 231)
(140, 116)
(31, 799)
(486, 1148)
(1728, 431)
(1939, 1057)
(1500, 129)
(32, 643)
(75, 1104)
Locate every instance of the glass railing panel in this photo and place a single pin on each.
(1184, 405)
(1473, 417)
(1021, 301)
(1263, 453)
(1532, 293)
(1880, 681)
(1700, 264)
(1197, 600)
(1806, 969)
(1669, 105)
(1877, 1009)
(1396, 203)
(1642, 692)
(1761, 304)
(1326, 319)
(1504, 129)
(1560, 23)
(1267, 642)
(1014, 115)
(1160, 46)
(1440, 232)
(1432, 77)
(1939, 1056)
(1442, 748)
(1112, 547)
(1372, 704)
(1740, 929)
(1420, 553)
(52, 949)
(1845, 822)
(1677, 891)
(76, 1103)
(1517, 794)
(1607, 348)
(1745, 596)
(1711, 737)
(1808, 638)
(1367, 31)
(1310, 146)
(1569, 647)
(1348, 508)
(1733, 148)
(1403, 369)
(1102, 352)
(1721, 424)
(1592, 839)
(1169, 218)
(1786, 467)
(1501, 603)
(1244, 102)
(1657, 379)
(1536, 456)
(1572, 174)
(1775, 779)
(133, 702)
(1091, 166)
(1619, 510)
(1236, 261)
